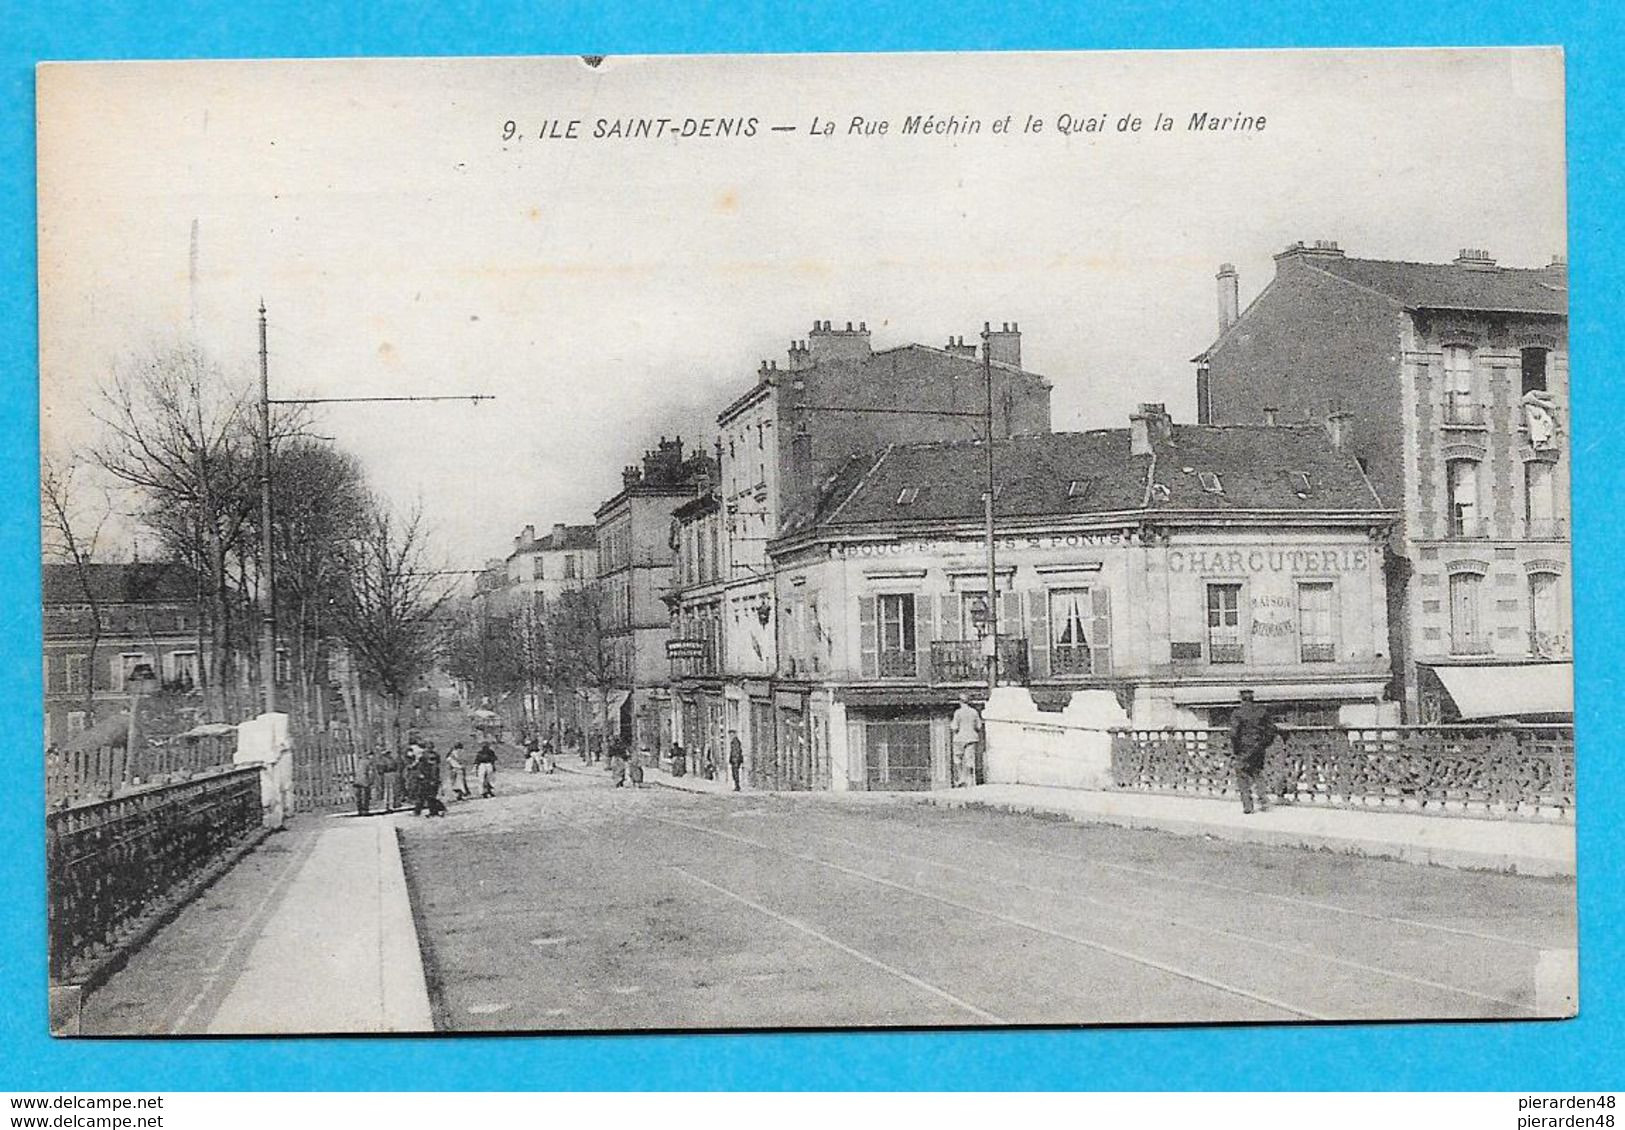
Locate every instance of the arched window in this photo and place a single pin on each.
(1461, 489)
(1548, 636)
(1467, 635)
(1534, 369)
(1460, 403)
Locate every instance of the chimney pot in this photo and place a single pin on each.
(863, 327)
(1229, 296)
(1269, 417)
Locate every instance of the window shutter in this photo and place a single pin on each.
(857, 758)
(948, 617)
(1009, 614)
(1335, 621)
(1100, 642)
(1038, 631)
(868, 639)
(924, 633)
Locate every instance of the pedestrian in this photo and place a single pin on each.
(428, 797)
(710, 761)
(550, 755)
(736, 756)
(386, 767)
(634, 766)
(1252, 731)
(457, 772)
(617, 766)
(362, 774)
(967, 734)
(485, 764)
(679, 760)
(533, 754)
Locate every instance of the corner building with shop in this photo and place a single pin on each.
(1172, 565)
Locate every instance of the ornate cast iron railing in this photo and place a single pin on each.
(111, 863)
(962, 661)
(1526, 771)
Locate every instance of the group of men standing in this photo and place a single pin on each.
(418, 777)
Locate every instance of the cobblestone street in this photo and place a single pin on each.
(567, 904)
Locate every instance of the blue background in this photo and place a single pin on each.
(1585, 1054)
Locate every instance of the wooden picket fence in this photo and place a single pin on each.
(85, 775)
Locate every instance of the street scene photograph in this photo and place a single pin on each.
(735, 543)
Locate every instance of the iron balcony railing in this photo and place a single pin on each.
(962, 661)
(1473, 528)
(1070, 659)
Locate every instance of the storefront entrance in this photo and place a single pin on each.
(898, 755)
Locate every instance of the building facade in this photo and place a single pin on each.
(1172, 565)
(779, 442)
(134, 619)
(634, 536)
(1451, 381)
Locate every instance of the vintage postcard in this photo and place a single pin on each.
(785, 542)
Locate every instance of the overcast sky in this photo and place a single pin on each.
(610, 291)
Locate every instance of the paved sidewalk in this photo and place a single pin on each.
(340, 952)
(1524, 847)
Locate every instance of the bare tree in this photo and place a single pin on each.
(582, 659)
(70, 532)
(173, 431)
(389, 614)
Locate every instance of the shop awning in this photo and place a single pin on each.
(1509, 690)
(1222, 694)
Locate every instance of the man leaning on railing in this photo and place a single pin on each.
(1252, 732)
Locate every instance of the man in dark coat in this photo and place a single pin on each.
(1252, 731)
(364, 776)
(736, 756)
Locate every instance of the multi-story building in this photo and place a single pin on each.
(780, 440)
(634, 539)
(1452, 383)
(544, 567)
(106, 623)
(1174, 565)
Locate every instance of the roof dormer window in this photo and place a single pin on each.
(1211, 483)
(907, 495)
(1079, 488)
(1300, 483)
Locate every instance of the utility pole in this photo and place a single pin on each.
(267, 513)
(992, 553)
(267, 568)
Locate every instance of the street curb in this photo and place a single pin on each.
(1458, 858)
(403, 985)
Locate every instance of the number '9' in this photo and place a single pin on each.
(509, 129)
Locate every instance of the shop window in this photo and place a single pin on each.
(1224, 642)
(1467, 635)
(1534, 369)
(1317, 636)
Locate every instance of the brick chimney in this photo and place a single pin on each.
(558, 535)
(1337, 428)
(525, 538)
(825, 343)
(1149, 426)
(1475, 259)
(957, 346)
(1229, 296)
(1004, 345)
(1320, 248)
(800, 356)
